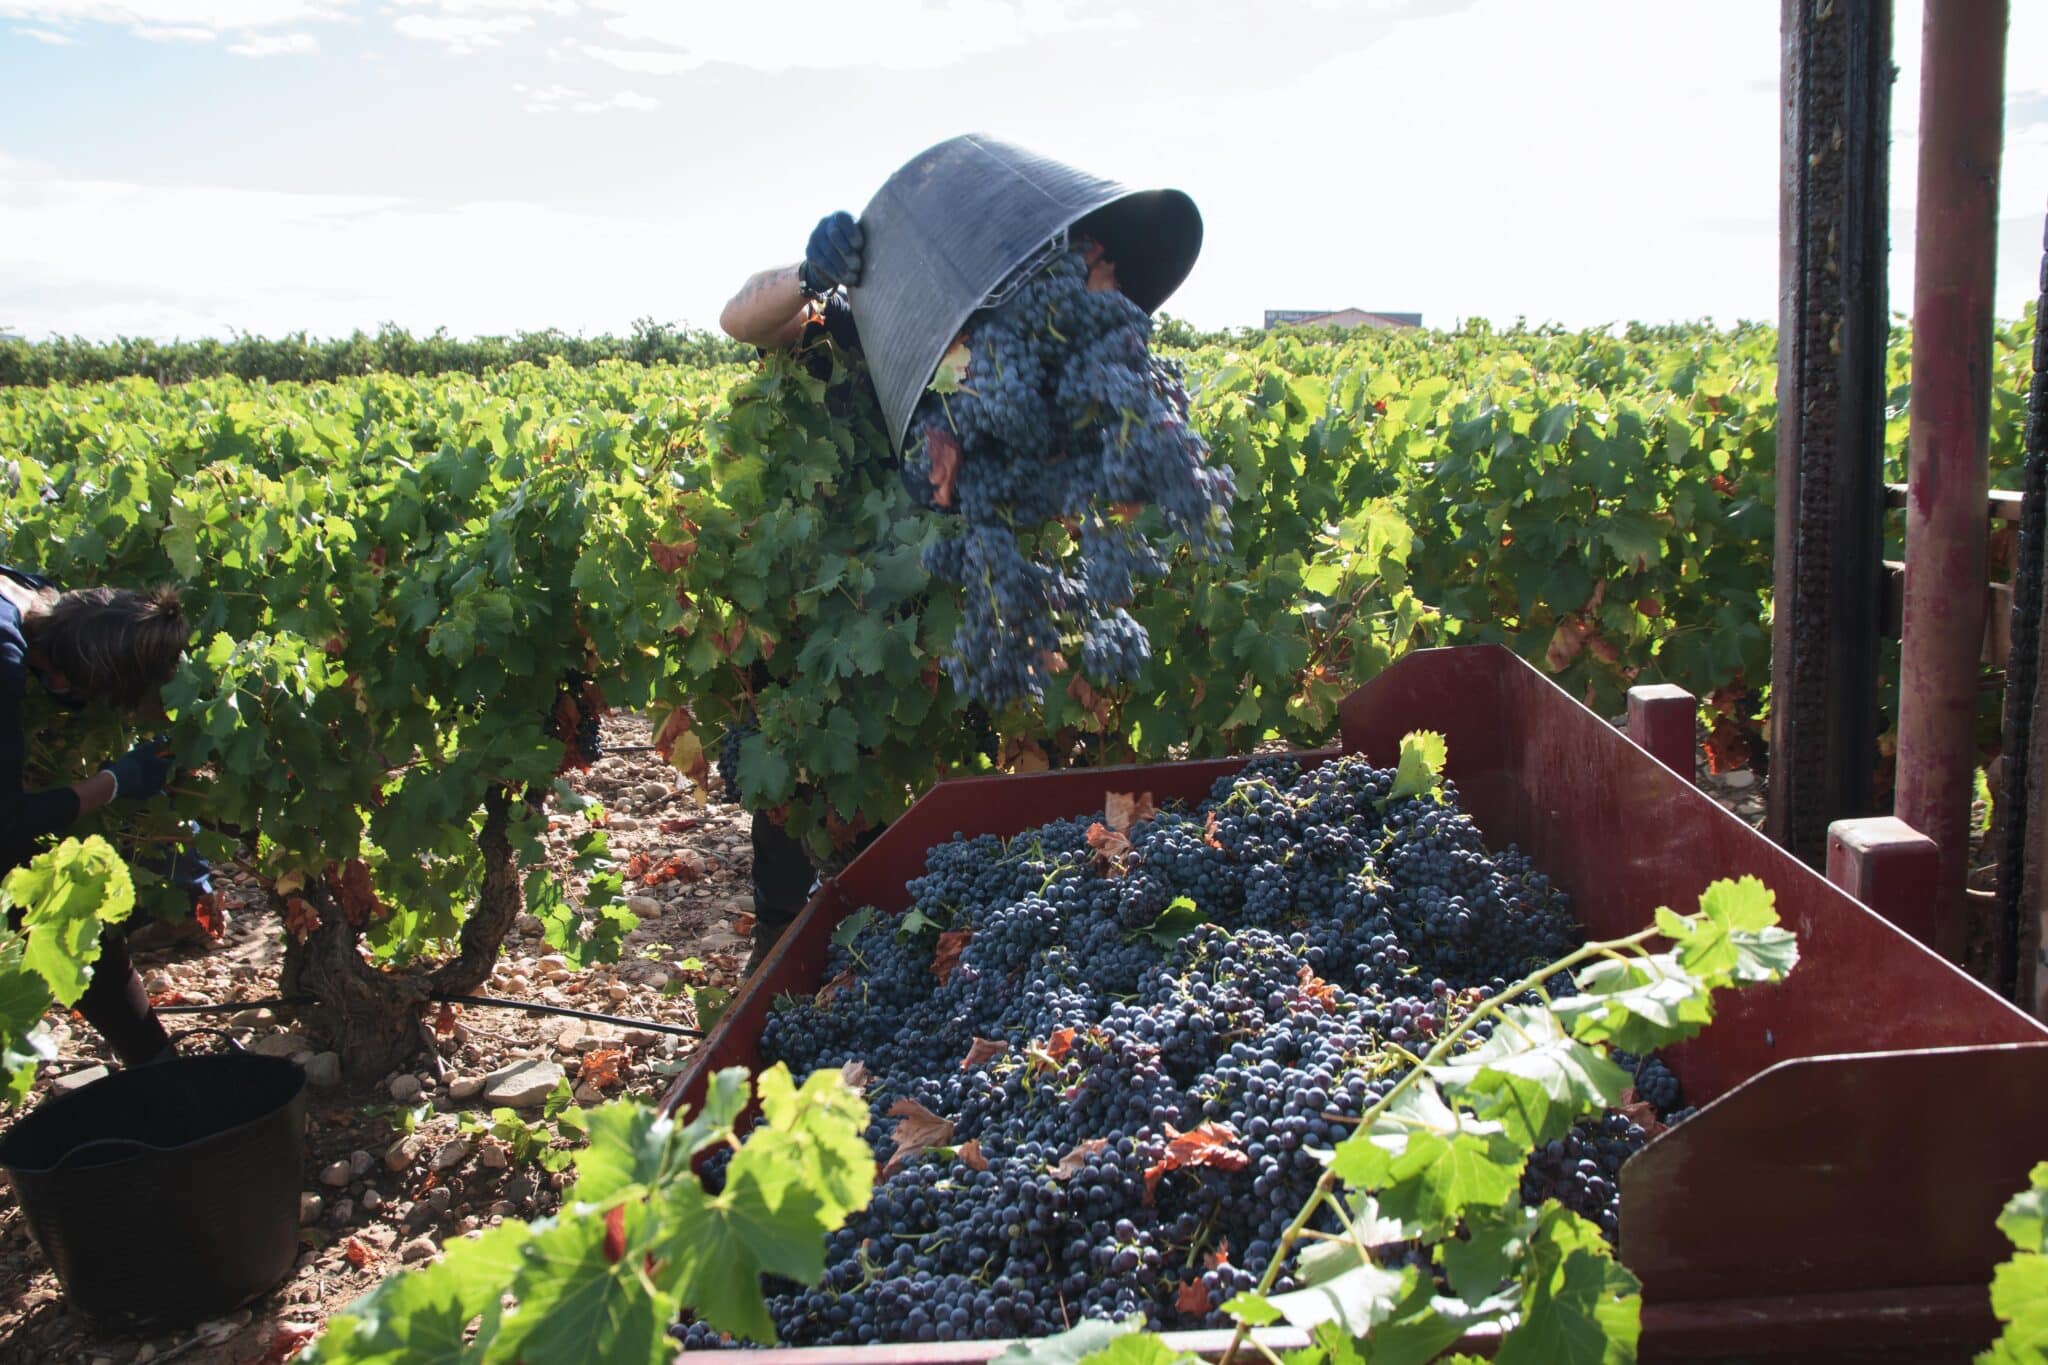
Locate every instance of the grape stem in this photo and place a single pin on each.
(1326, 1187)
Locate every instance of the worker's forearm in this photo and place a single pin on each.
(95, 791)
(768, 311)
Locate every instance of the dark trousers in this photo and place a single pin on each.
(783, 876)
(782, 882)
(115, 1003)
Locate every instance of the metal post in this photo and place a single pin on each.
(1889, 866)
(1833, 329)
(1962, 98)
(2020, 816)
(1665, 720)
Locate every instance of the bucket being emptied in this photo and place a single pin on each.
(960, 220)
(166, 1194)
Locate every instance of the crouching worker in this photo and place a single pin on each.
(95, 645)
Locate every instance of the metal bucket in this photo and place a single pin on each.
(166, 1194)
(964, 219)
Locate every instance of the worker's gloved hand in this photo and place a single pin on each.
(142, 771)
(833, 257)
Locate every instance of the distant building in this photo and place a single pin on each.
(1342, 317)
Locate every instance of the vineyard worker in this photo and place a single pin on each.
(781, 309)
(91, 645)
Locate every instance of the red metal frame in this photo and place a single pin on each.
(1837, 1103)
(1962, 115)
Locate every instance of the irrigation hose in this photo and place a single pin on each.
(485, 1001)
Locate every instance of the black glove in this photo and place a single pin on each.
(141, 771)
(833, 257)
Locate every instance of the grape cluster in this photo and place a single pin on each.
(1074, 469)
(1334, 927)
(729, 755)
(573, 720)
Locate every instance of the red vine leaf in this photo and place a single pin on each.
(1219, 1258)
(842, 832)
(673, 729)
(1075, 1161)
(206, 910)
(290, 1337)
(1317, 990)
(1192, 1299)
(1111, 849)
(1088, 699)
(946, 957)
(1212, 1144)
(1101, 270)
(984, 1049)
(832, 988)
(300, 918)
(444, 1022)
(1123, 811)
(614, 1234)
(1565, 643)
(602, 1068)
(916, 1129)
(358, 1255)
(945, 456)
(1641, 1113)
(355, 891)
(970, 1156)
(1051, 1054)
(1209, 832)
(1021, 754)
(671, 557)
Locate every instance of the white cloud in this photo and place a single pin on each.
(462, 36)
(218, 259)
(174, 33)
(558, 99)
(45, 35)
(820, 34)
(211, 15)
(642, 62)
(557, 7)
(283, 45)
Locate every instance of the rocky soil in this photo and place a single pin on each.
(393, 1170)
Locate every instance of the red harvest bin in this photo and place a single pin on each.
(1862, 1124)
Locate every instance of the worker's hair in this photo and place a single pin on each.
(116, 645)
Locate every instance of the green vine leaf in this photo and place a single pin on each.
(1579, 1307)
(1532, 1077)
(1735, 936)
(1072, 1346)
(67, 896)
(1421, 766)
(2019, 1287)
(1357, 1301)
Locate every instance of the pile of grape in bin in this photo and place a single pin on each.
(1063, 446)
(1054, 1007)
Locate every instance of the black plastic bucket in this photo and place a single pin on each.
(964, 219)
(167, 1194)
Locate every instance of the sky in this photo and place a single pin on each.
(201, 167)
